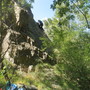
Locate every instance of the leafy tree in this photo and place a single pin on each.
(70, 41)
(70, 8)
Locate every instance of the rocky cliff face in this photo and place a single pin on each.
(21, 41)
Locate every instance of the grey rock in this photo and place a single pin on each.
(21, 41)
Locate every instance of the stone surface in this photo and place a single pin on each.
(21, 41)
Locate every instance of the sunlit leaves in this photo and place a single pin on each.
(70, 41)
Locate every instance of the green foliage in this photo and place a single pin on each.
(26, 3)
(13, 74)
(76, 66)
(72, 8)
(70, 43)
(2, 80)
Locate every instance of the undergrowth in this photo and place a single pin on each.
(44, 77)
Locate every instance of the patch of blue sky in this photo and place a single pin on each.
(41, 9)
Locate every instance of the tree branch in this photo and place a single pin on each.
(82, 14)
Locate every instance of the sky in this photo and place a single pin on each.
(41, 9)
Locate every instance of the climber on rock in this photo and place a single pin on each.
(40, 24)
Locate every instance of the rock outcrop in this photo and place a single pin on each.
(21, 41)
